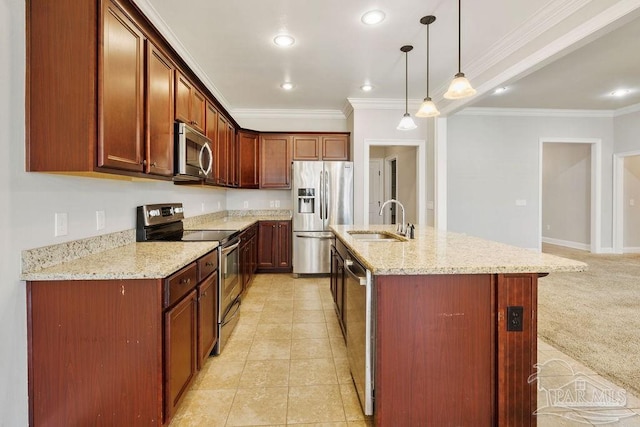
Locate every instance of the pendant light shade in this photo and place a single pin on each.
(428, 107)
(406, 123)
(460, 86)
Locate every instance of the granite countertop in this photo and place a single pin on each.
(118, 256)
(143, 260)
(439, 252)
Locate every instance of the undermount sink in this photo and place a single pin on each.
(370, 236)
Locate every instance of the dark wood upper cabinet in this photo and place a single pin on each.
(190, 103)
(249, 159)
(211, 121)
(306, 147)
(320, 147)
(233, 176)
(159, 109)
(221, 153)
(121, 88)
(275, 161)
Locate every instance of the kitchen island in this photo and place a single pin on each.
(453, 321)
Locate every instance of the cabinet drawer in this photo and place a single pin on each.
(179, 284)
(207, 265)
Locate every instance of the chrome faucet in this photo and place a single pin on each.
(401, 226)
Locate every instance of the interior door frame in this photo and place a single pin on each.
(618, 199)
(596, 187)
(387, 184)
(421, 166)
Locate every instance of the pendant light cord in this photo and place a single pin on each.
(459, 36)
(406, 82)
(427, 60)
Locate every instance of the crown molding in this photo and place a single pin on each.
(383, 104)
(535, 112)
(626, 110)
(273, 113)
(152, 14)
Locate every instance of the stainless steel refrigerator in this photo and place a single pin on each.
(322, 196)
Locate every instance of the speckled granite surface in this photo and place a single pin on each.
(437, 252)
(118, 256)
(148, 260)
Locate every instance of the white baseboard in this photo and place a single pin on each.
(567, 243)
(631, 250)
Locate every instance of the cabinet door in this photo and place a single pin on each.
(275, 161)
(335, 147)
(232, 157)
(198, 106)
(222, 151)
(283, 249)
(183, 98)
(159, 109)
(180, 351)
(248, 158)
(207, 317)
(266, 240)
(306, 147)
(120, 144)
(212, 133)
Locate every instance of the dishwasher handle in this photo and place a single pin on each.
(347, 266)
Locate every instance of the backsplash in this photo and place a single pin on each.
(47, 256)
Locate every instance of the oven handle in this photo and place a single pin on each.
(235, 313)
(228, 249)
(206, 146)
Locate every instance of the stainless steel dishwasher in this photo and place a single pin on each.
(359, 326)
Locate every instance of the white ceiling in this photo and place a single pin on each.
(229, 43)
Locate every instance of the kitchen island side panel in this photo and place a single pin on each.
(95, 352)
(435, 352)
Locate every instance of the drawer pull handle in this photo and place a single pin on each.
(209, 264)
(185, 281)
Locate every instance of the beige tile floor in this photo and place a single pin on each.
(285, 364)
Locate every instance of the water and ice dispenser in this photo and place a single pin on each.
(307, 200)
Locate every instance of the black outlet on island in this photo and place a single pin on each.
(514, 318)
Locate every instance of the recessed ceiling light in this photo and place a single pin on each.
(373, 17)
(284, 40)
(620, 92)
(287, 85)
(500, 90)
(366, 88)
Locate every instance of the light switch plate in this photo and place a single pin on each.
(521, 202)
(61, 224)
(100, 220)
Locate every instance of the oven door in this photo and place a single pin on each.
(229, 274)
(194, 156)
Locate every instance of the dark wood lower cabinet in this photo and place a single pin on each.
(444, 356)
(274, 246)
(118, 352)
(180, 350)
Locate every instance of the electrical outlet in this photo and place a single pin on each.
(61, 224)
(514, 318)
(271, 203)
(100, 220)
(218, 205)
(521, 202)
(632, 202)
(202, 206)
(245, 204)
(277, 203)
(548, 227)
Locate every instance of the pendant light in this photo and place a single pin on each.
(460, 86)
(427, 108)
(406, 123)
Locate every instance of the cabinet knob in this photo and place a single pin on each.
(154, 164)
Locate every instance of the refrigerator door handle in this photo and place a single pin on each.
(326, 197)
(321, 195)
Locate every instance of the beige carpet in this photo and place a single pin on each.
(594, 316)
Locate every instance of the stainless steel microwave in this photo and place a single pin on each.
(193, 155)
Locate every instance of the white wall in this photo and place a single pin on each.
(631, 215)
(627, 132)
(379, 125)
(492, 161)
(566, 193)
(258, 199)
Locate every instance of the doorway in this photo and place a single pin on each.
(626, 202)
(565, 219)
(376, 188)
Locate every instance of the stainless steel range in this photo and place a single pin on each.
(163, 222)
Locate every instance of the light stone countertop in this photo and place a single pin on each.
(93, 259)
(143, 260)
(438, 252)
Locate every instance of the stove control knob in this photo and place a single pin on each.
(154, 212)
